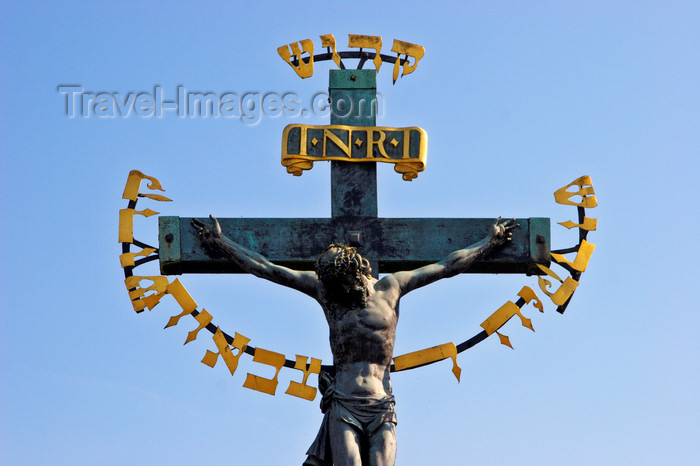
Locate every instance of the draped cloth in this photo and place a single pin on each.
(365, 414)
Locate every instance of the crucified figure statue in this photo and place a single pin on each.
(359, 424)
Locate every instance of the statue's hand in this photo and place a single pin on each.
(502, 230)
(207, 234)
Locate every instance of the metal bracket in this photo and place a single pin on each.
(354, 238)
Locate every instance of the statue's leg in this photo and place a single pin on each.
(382, 445)
(345, 443)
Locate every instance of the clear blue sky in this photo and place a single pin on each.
(518, 99)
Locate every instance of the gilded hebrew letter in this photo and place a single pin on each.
(239, 342)
(367, 42)
(328, 40)
(504, 340)
(136, 293)
(421, 357)
(183, 298)
(503, 315)
(126, 223)
(303, 69)
(583, 255)
(127, 259)
(528, 295)
(133, 183)
(588, 200)
(155, 197)
(302, 390)
(508, 310)
(261, 384)
(410, 50)
(562, 294)
(589, 224)
(204, 319)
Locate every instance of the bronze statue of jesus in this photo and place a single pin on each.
(359, 424)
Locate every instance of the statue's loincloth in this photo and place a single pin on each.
(366, 415)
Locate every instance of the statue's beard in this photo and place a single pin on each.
(354, 297)
(357, 295)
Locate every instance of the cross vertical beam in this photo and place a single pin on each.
(353, 95)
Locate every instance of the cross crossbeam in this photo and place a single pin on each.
(394, 244)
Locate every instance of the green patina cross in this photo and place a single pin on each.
(390, 244)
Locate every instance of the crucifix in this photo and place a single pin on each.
(338, 260)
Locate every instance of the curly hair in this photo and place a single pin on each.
(339, 259)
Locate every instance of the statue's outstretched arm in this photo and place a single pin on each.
(457, 261)
(252, 262)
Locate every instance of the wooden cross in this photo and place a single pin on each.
(390, 244)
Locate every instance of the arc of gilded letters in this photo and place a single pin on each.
(304, 67)
(584, 249)
(137, 294)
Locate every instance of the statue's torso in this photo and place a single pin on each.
(362, 341)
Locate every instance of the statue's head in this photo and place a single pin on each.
(340, 264)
